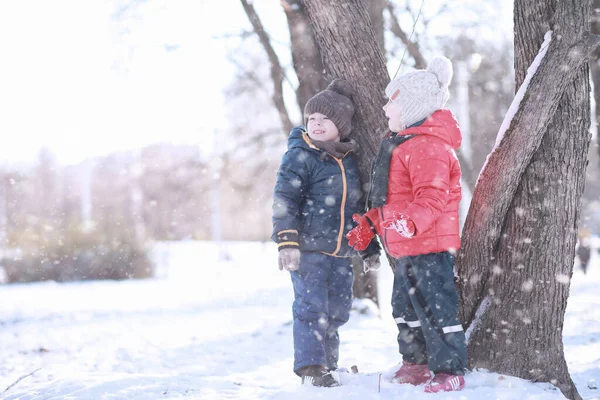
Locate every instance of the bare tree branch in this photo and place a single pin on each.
(443, 8)
(252, 140)
(306, 57)
(412, 47)
(277, 73)
(20, 379)
(244, 34)
(247, 73)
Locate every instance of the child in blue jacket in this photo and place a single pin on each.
(317, 191)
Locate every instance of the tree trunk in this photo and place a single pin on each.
(376, 8)
(519, 237)
(364, 285)
(595, 68)
(305, 52)
(350, 50)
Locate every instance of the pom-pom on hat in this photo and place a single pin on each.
(420, 93)
(336, 103)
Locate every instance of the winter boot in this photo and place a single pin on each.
(414, 374)
(317, 375)
(445, 383)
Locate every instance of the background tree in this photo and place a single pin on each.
(305, 52)
(595, 62)
(519, 238)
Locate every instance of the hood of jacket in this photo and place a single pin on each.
(441, 124)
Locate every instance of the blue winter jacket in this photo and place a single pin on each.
(315, 197)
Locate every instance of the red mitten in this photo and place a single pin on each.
(402, 224)
(360, 236)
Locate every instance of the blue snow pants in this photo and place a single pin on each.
(323, 297)
(425, 308)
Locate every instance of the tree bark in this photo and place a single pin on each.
(364, 285)
(519, 237)
(595, 68)
(351, 49)
(305, 52)
(376, 8)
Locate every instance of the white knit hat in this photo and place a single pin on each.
(420, 93)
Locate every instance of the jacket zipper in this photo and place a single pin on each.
(385, 242)
(343, 206)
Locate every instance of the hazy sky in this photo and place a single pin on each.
(85, 77)
(81, 80)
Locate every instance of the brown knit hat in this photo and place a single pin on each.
(336, 103)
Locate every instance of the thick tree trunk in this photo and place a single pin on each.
(595, 68)
(351, 49)
(365, 283)
(376, 8)
(519, 237)
(305, 52)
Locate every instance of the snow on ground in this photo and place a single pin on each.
(221, 329)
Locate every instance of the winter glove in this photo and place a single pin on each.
(289, 259)
(371, 263)
(361, 235)
(402, 224)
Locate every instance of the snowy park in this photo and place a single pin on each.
(195, 196)
(221, 329)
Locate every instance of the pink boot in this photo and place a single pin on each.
(445, 383)
(414, 374)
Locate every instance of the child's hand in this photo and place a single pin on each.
(360, 236)
(289, 259)
(402, 224)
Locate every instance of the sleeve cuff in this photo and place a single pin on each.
(287, 238)
(373, 248)
(373, 218)
(371, 224)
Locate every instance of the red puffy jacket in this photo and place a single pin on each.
(424, 184)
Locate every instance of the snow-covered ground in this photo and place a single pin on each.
(221, 329)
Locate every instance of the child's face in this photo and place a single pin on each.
(393, 112)
(320, 127)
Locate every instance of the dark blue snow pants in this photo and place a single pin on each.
(425, 308)
(323, 297)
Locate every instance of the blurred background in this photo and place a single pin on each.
(132, 124)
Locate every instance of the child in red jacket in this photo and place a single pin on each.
(415, 191)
